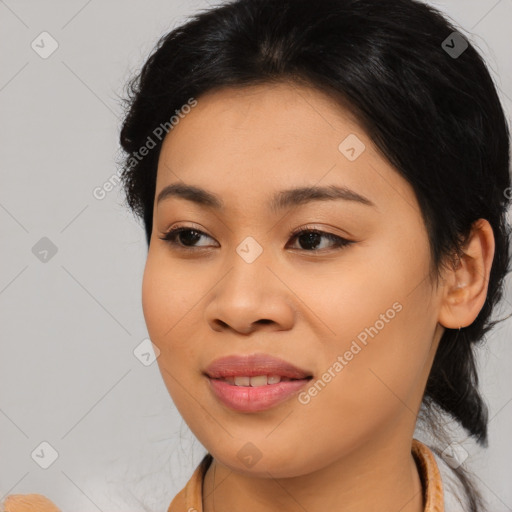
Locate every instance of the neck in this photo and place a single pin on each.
(370, 479)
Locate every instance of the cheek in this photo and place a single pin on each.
(168, 298)
(156, 292)
(381, 325)
(363, 388)
(170, 305)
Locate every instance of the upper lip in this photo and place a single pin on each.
(252, 365)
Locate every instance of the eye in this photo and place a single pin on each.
(311, 238)
(185, 238)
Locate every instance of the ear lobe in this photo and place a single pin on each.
(466, 284)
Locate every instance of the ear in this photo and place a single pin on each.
(466, 283)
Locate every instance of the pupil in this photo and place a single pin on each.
(311, 238)
(189, 237)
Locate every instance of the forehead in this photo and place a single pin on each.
(261, 138)
(272, 114)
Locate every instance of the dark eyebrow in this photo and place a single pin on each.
(283, 199)
(296, 196)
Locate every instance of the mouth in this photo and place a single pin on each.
(254, 366)
(252, 383)
(256, 381)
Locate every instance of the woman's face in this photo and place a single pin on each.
(359, 319)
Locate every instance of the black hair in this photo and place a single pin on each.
(426, 100)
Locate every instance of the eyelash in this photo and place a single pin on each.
(339, 242)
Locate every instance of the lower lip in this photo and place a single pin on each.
(257, 398)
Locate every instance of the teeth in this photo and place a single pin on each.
(257, 380)
(242, 381)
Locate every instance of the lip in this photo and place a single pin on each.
(257, 398)
(252, 365)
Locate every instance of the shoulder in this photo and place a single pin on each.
(443, 489)
(190, 498)
(455, 499)
(28, 503)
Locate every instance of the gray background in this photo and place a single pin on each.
(70, 324)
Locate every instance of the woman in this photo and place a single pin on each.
(323, 187)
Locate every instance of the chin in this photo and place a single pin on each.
(250, 461)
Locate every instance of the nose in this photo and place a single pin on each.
(251, 297)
